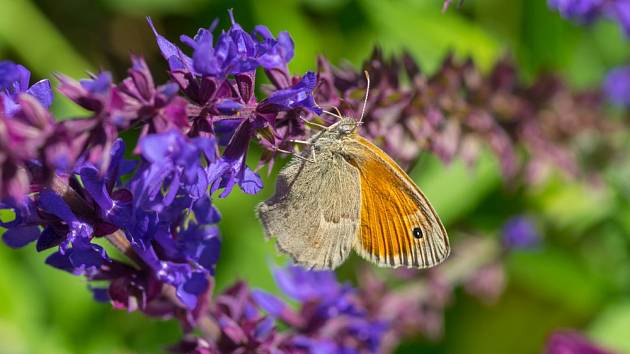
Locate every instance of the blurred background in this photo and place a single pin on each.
(578, 278)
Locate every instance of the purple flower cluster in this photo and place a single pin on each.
(385, 308)
(572, 342)
(171, 235)
(227, 108)
(330, 318)
(68, 183)
(458, 110)
(587, 11)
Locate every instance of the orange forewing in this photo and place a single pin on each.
(391, 207)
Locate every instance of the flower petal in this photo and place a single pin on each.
(21, 236)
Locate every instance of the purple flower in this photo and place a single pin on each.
(9, 74)
(169, 188)
(333, 318)
(617, 86)
(228, 172)
(176, 59)
(318, 326)
(130, 289)
(24, 228)
(76, 253)
(110, 202)
(93, 137)
(14, 80)
(571, 342)
(156, 109)
(219, 79)
(94, 94)
(271, 52)
(297, 96)
(581, 10)
(242, 325)
(234, 52)
(586, 11)
(172, 233)
(620, 11)
(304, 285)
(173, 162)
(520, 233)
(61, 227)
(22, 139)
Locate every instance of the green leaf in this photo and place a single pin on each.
(558, 276)
(143, 7)
(421, 27)
(572, 206)
(612, 326)
(456, 189)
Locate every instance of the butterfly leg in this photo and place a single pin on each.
(294, 154)
(336, 115)
(323, 127)
(308, 143)
(303, 142)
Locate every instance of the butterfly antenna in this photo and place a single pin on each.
(333, 114)
(367, 92)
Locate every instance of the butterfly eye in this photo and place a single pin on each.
(346, 128)
(417, 232)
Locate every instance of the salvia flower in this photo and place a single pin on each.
(61, 227)
(170, 249)
(234, 51)
(520, 233)
(331, 318)
(156, 109)
(173, 162)
(161, 215)
(456, 111)
(219, 79)
(571, 342)
(326, 316)
(96, 134)
(586, 11)
(23, 139)
(14, 80)
(617, 86)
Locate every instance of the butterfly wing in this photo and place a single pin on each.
(398, 225)
(314, 214)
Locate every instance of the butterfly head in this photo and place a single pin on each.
(347, 126)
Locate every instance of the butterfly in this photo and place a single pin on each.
(344, 193)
